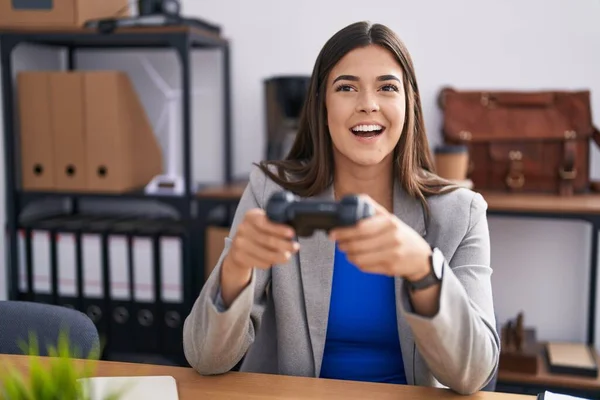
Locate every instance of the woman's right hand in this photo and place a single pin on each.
(258, 243)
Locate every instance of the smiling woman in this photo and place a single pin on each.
(403, 296)
(366, 70)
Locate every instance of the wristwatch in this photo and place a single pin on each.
(436, 263)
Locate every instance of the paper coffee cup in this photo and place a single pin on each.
(452, 162)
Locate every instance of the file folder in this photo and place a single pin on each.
(37, 162)
(68, 128)
(123, 153)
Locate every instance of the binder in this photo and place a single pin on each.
(124, 329)
(37, 163)
(23, 275)
(67, 261)
(171, 262)
(40, 259)
(126, 274)
(68, 127)
(175, 289)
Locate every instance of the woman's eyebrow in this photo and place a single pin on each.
(356, 79)
(388, 78)
(346, 78)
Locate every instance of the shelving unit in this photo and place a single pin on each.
(135, 327)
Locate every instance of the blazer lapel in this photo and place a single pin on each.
(411, 212)
(316, 268)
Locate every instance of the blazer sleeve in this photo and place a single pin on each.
(460, 343)
(216, 338)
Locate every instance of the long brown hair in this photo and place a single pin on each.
(310, 160)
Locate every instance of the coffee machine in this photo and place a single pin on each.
(284, 100)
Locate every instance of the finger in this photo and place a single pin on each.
(249, 252)
(373, 243)
(374, 259)
(271, 241)
(364, 228)
(377, 269)
(243, 258)
(259, 220)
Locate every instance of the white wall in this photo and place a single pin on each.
(541, 267)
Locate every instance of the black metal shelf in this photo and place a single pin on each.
(166, 37)
(594, 221)
(25, 198)
(189, 225)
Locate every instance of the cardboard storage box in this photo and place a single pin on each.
(84, 131)
(58, 13)
(215, 243)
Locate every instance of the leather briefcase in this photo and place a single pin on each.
(519, 141)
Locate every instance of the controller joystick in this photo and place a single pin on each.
(307, 216)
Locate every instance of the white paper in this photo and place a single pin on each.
(135, 387)
(557, 396)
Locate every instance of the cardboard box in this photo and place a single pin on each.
(215, 242)
(58, 13)
(85, 131)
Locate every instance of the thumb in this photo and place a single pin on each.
(379, 209)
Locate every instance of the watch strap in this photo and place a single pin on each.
(429, 280)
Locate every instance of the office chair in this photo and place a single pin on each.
(18, 319)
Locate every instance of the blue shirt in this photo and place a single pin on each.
(362, 341)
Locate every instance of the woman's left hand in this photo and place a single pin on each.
(383, 244)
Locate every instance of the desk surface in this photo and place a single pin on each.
(236, 385)
(532, 203)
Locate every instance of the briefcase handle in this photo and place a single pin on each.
(502, 98)
(509, 99)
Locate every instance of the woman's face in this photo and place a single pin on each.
(365, 106)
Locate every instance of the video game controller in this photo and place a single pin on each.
(307, 216)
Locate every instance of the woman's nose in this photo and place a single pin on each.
(367, 103)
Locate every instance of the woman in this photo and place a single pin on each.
(403, 296)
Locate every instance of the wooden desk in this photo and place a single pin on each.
(237, 385)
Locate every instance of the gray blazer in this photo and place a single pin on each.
(279, 321)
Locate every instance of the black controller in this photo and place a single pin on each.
(306, 216)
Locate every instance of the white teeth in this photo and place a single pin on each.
(367, 128)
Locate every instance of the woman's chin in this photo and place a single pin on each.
(362, 157)
(368, 160)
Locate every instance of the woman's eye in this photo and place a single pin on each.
(343, 88)
(390, 88)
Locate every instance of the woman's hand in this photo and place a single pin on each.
(258, 243)
(383, 244)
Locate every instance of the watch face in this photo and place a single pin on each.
(438, 263)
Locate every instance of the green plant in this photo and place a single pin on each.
(51, 378)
